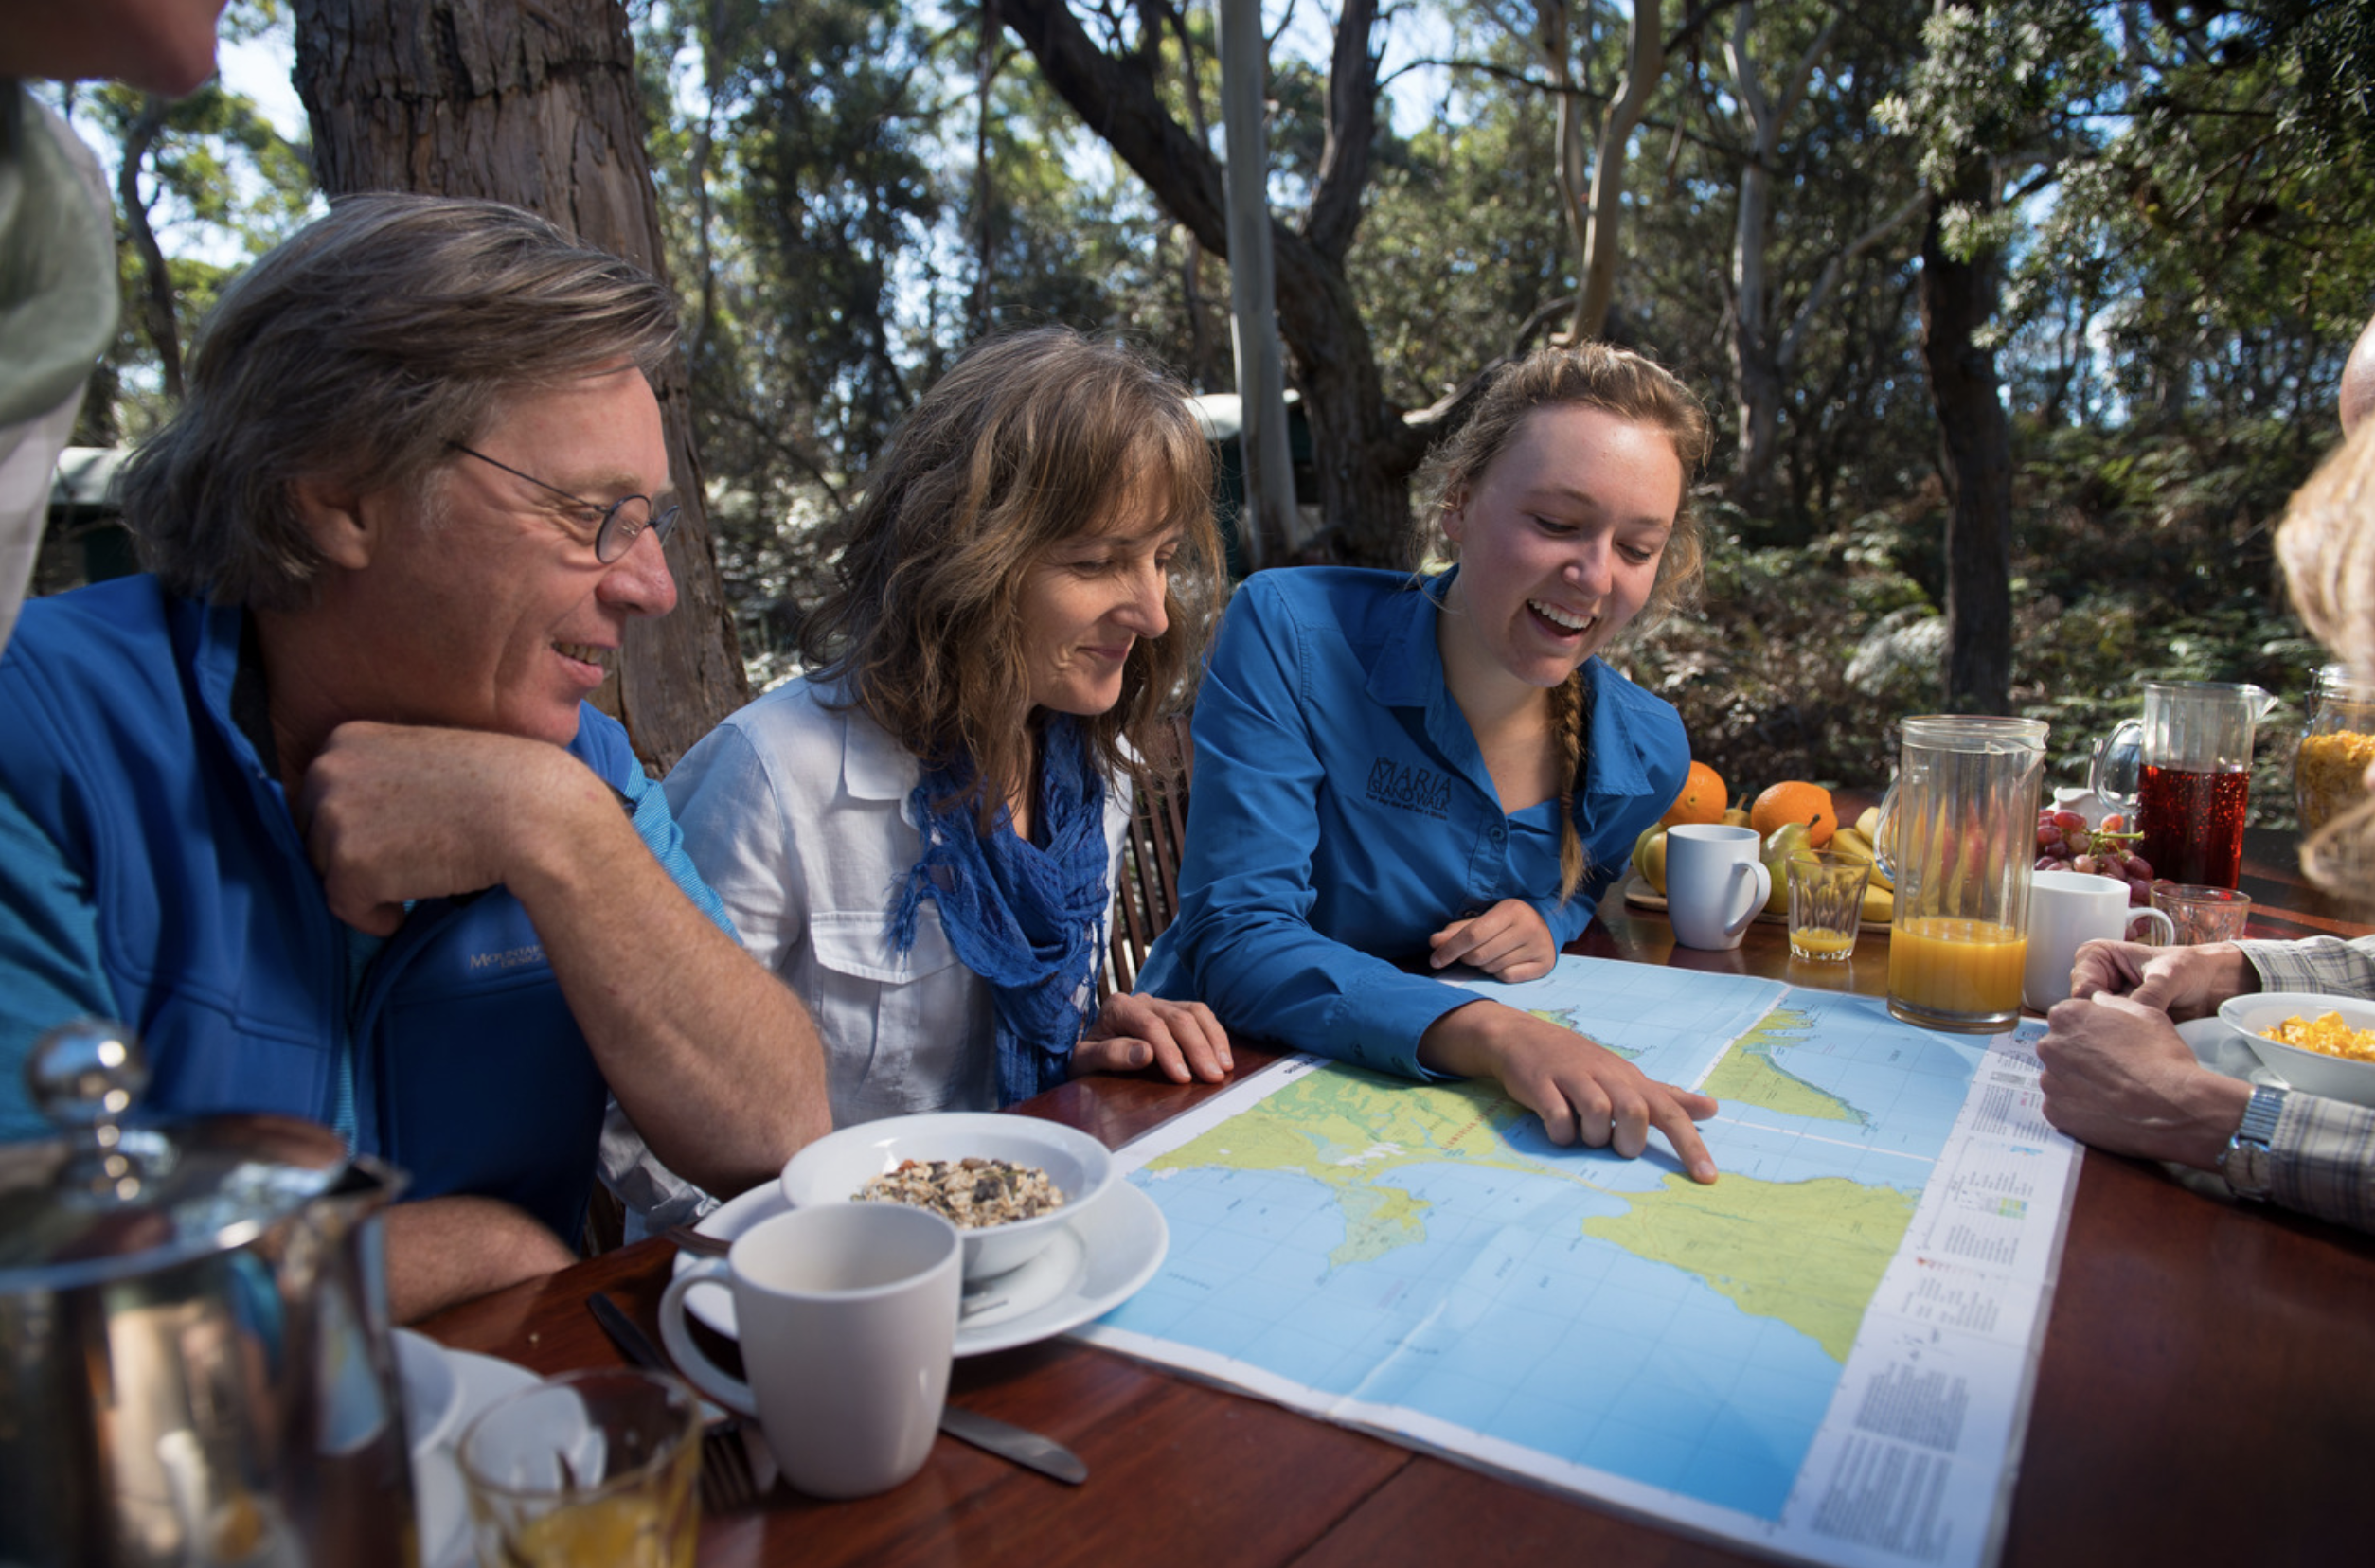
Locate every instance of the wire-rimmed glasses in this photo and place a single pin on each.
(622, 521)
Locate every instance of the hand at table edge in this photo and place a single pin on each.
(2118, 1078)
(1132, 1031)
(2183, 982)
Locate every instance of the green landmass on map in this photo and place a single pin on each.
(1345, 1128)
(1565, 1018)
(1749, 1074)
(1808, 1253)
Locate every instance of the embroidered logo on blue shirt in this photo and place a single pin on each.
(507, 958)
(1420, 790)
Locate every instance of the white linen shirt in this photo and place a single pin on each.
(799, 817)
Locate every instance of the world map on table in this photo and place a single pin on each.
(1358, 1243)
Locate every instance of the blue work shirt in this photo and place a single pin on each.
(150, 869)
(1342, 814)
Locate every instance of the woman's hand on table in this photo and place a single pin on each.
(1181, 1038)
(1507, 941)
(2118, 1078)
(2183, 982)
(1579, 1089)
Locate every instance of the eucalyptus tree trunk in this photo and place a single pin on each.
(537, 106)
(1975, 457)
(1591, 186)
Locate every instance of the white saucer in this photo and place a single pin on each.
(433, 1392)
(2217, 1046)
(1096, 1261)
(484, 1380)
(440, 1503)
(442, 1511)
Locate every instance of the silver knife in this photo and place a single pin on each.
(1027, 1448)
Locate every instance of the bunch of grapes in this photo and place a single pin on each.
(2064, 843)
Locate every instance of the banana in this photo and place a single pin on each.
(1850, 845)
(1880, 904)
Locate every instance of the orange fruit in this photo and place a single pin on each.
(1796, 801)
(1702, 798)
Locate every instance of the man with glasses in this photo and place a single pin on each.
(319, 805)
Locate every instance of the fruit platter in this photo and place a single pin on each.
(1787, 817)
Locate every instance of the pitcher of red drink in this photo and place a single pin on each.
(2183, 774)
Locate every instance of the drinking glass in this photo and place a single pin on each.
(1825, 904)
(1961, 838)
(2202, 913)
(588, 1467)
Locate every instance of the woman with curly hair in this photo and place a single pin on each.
(922, 835)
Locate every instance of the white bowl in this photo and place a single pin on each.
(2332, 1077)
(831, 1169)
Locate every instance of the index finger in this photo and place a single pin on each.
(1667, 1115)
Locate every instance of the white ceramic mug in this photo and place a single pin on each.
(846, 1315)
(1715, 885)
(2066, 908)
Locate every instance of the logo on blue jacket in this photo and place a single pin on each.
(1407, 789)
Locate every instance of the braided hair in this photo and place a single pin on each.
(1591, 375)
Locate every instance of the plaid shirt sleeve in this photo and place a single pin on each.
(2321, 1159)
(2315, 964)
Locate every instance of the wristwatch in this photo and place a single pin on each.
(2244, 1160)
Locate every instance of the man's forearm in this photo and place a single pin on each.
(712, 1056)
(443, 1251)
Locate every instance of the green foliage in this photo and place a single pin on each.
(1445, 297)
(221, 185)
(2183, 196)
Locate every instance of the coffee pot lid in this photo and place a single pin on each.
(112, 1197)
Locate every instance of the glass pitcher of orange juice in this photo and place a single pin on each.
(1961, 838)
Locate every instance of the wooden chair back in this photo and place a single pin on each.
(1147, 898)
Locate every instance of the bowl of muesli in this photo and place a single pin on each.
(1007, 1183)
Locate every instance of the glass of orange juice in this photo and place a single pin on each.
(1961, 838)
(1825, 904)
(586, 1467)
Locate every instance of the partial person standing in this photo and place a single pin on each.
(58, 232)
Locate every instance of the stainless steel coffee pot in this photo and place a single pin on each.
(195, 1365)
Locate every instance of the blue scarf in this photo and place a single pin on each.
(1023, 918)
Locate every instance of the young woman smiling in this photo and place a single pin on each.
(922, 835)
(1388, 767)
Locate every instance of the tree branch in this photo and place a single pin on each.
(1791, 341)
(1802, 74)
(157, 312)
(1343, 160)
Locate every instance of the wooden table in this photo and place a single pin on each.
(2205, 1394)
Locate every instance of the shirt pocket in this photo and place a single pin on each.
(892, 1021)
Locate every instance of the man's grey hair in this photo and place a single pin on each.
(357, 353)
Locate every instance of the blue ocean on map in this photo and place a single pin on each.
(1495, 1311)
(1532, 1331)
